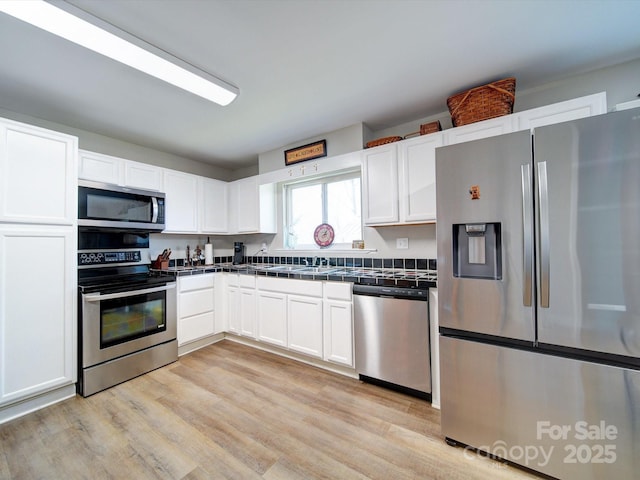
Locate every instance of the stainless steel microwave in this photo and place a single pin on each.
(110, 206)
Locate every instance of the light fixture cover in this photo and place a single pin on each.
(77, 26)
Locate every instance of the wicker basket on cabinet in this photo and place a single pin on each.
(481, 103)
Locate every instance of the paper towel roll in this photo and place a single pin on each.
(208, 254)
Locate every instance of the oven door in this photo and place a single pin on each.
(117, 324)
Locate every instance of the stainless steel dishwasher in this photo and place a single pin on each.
(392, 338)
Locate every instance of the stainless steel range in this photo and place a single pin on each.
(127, 318)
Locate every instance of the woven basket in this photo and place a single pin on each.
(431, 127)
(382, 141)
(480, 103)
(426, 128)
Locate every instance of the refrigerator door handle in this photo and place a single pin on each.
(543, 193)
(527, 235)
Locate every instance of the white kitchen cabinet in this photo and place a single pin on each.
(221, 321)
(304, 324)
(398, 182)
(252, 206)
(181, 195)
(417, 178)
(38, 263)
(233, 305)
(100, 168)
(338, 323)
(214, 206)
(478, 130)
(38, 300)
(380, 185)
(272, 317)
(574, 109)
(290, 314)
(142, 175)
(196, 312)
(241, 304)
(38, 175)
(247, 308)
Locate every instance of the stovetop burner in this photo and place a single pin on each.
(118, 279)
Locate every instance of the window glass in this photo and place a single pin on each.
(334, 200)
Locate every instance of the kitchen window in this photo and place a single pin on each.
(334, 200)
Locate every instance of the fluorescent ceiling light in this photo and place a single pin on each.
(132, 51)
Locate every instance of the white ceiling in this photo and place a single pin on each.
(303, 67)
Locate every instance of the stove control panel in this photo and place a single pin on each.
(102, 258)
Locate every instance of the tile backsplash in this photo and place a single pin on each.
(366, 262)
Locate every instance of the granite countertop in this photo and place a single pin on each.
(388, 277)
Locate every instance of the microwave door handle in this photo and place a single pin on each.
(154, 214)
(527, 235)
(543, 192)
(97, 297)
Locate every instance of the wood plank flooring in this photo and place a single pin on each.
(230, 411)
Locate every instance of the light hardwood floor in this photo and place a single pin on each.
(232, 411)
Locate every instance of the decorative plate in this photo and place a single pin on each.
(324, 235)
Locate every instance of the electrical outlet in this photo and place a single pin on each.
(263, 249)
(402, 243)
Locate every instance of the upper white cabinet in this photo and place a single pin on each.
(582, 107)
(380, 185)
(181, 210)
(398, 182)
(214, 206)
(100, 168)
(418, 178)
(252, 206)
(119, 171)
(478, 130)
(142, 175)
(37, 175)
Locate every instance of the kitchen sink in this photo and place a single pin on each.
(318, 269)
(284, 268)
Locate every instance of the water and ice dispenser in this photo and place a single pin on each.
(477, 250)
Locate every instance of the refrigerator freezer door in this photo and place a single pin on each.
(481, 182)
(588, 255)
(563, 417)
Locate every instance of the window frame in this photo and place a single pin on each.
(323, 180)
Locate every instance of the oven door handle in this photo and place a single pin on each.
(97, 297)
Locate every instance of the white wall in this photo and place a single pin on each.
(344, 140)
(620, 82)
(117, 148)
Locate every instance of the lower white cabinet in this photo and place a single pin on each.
(309, 317)
(196, 312)
(38, 298)
(233, 303)
(272, 318)
(338, 323)
(304, 324)
(241, 304)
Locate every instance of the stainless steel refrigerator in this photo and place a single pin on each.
(539, 296)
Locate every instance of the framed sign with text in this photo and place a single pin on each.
(305, 152)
